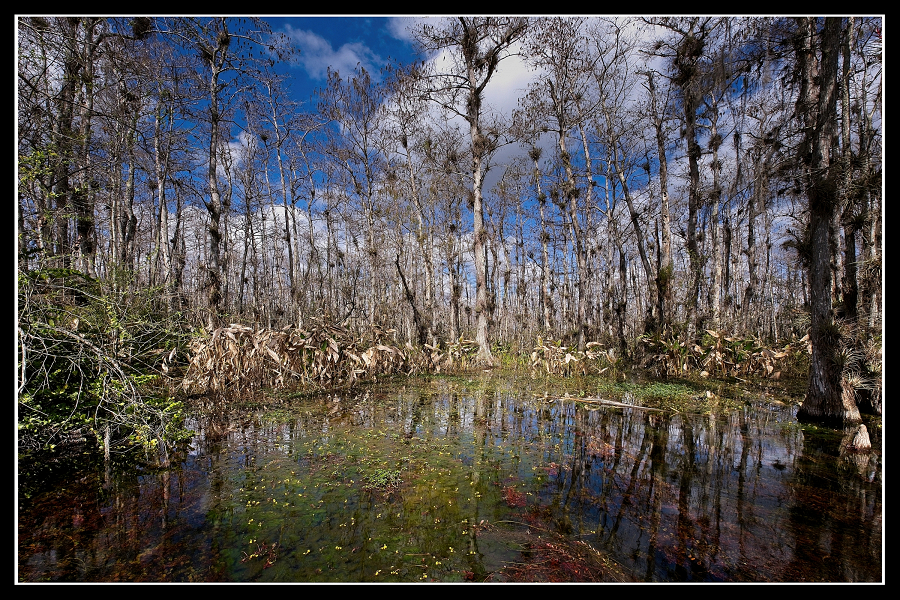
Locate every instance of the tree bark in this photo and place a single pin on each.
(666, 269)
(214, 206)
(535, 154)
(828, 397)
(63, 137)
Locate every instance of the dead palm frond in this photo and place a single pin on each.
(237, 358)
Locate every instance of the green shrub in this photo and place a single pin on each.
(91, 364)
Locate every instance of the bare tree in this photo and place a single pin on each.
(478, 45)
(665, 271)
(354, 105)
(225, 47)
(556, 102)
(281, 122)
(406, 113)
(686, 50)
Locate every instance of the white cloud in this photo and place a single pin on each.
(317, 55)
(401, 27)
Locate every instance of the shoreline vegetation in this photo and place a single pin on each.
(80, 383)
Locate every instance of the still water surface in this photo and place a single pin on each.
(451, 479)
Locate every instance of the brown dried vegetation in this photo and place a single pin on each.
(715, 354)
(237, 359)
(555, 358)
(718, 354)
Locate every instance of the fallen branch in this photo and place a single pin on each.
(604, 402)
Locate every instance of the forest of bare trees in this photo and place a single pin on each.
(660, 179)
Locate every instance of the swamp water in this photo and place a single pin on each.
(486, 478)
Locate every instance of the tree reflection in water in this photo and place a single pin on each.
(739, 495)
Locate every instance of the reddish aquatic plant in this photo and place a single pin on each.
(512, 497)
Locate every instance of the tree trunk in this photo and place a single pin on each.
(828, 397)
(652, 312)
(63, 137)
(666, 269)
(570, 200)
(213, 265)
(849, 203)
(128, 222)
(426, 247)
(688, 71)
(161, 169)
(546, 306)
(482, 309)
(715, 297)
(83, 199)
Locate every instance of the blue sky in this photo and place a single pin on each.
(341, 42)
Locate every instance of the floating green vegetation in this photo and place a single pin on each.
(700, 395)
(651, 390)
(379, 503)
(383, 478)
(277, 414)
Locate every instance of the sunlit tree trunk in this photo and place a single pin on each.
(215, 58)
(715, 199)
(546, 303)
